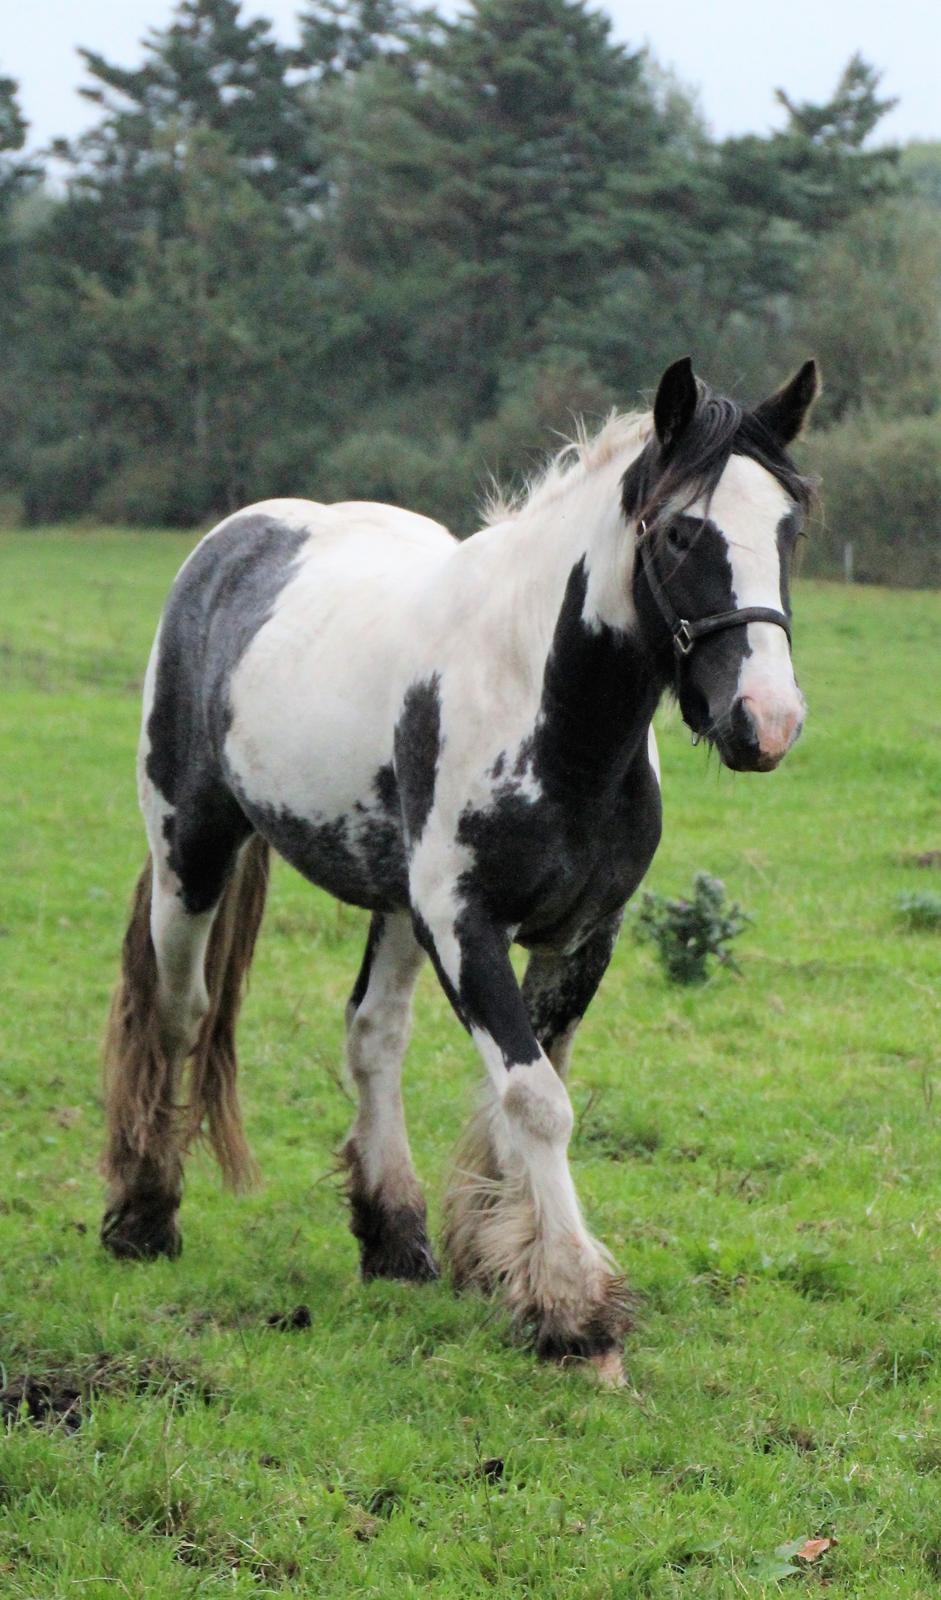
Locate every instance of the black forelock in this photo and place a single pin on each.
(690, 468)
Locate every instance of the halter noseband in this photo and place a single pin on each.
(686, 633)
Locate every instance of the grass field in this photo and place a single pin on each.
(762, 1156)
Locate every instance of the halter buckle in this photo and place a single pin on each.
(683, 640)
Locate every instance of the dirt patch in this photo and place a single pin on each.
(290, 1321)
(61, 1396)
(42, 1400)
(923, 858)
(789, 1437)
(608, 1143)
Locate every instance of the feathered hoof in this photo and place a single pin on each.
(141, 1230)
(593, 1334)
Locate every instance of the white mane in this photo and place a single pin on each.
(570, 466)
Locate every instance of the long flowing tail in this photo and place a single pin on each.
(214, 1102)
(148, 1131)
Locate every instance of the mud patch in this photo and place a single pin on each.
(290, 1321)
(607, 1139)
(61, 1397)
(789, 1436)
(40, 1401)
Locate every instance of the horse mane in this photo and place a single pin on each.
(719, 429)
(584, 453)
(689, 470)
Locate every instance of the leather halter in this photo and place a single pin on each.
(686, 632)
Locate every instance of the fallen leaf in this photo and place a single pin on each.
(813, 1549)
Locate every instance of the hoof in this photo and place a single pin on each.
(392, 1242)
(413, 1265)
(595, 1336)
(608, 1370)
(141, 1231)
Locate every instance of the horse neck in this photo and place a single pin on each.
(574, 557)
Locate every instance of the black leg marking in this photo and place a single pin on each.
(392, 1237)
(142, 1225)
(204, 834)
(558, 988)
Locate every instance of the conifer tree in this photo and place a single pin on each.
(491, 167)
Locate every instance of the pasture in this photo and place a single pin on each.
(761, 1154)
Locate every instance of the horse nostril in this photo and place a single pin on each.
(742, 723)
(770, 726)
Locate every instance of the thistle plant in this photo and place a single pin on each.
(687, 932)
(920, 911)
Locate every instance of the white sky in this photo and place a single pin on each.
(736, 52)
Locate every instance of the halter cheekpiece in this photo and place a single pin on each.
(685, 632)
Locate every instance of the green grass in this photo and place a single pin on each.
(761, 1154)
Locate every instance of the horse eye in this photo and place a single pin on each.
(676, 537)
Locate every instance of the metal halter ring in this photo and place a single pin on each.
(683, 640)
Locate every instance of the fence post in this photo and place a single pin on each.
(848, 561)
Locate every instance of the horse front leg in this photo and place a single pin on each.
(557, 990)
(513, 1218)
(559, 986)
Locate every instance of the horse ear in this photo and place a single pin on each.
(675, 403)
(785, 413)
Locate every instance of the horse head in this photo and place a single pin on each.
(717, 504)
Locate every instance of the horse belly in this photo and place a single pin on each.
(357, 855)
(308, 748)
(314, 775)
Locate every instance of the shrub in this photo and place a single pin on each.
(159, 489)
(62, 479)
(882, 493)
(397, 470)
(921, 911)
(687, 932)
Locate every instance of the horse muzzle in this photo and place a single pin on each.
(759, 732)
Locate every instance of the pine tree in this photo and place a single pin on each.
(811, 175)
(17, 177)
(208, 69)
(495, 169)
(340, 37)
(203, 356)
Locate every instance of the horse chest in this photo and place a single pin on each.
(551, 867)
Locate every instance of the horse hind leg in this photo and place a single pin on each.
(187, 947)
(386, 1203)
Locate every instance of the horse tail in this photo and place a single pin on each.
(138, 1072)
(148, 1130)
(214, 1102)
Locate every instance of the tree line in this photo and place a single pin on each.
(396, 257)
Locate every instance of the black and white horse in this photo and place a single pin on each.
(456, 736)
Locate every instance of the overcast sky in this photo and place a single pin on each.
(735, 52)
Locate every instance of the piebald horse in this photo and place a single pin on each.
(457, 737)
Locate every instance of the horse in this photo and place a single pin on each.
(455, 736)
